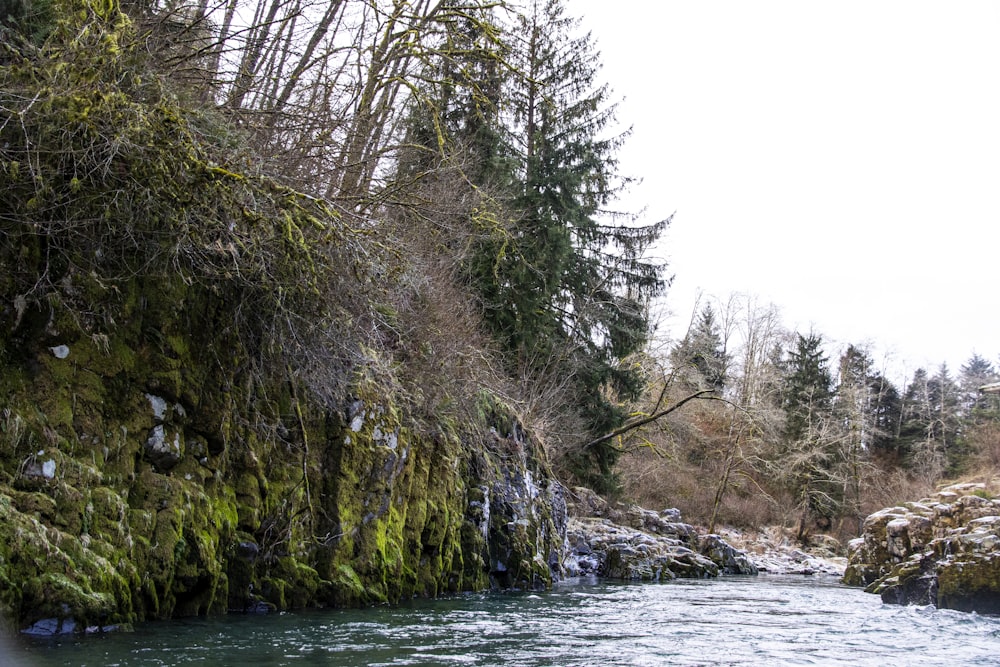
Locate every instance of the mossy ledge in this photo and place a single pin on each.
(349, 507)
(190, 421)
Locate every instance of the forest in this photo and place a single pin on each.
(792, 434)
(431, 185)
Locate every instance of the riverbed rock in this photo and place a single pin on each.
(943, 550)
(633, 543)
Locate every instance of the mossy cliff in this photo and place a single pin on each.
(191, 421)
(119, 504)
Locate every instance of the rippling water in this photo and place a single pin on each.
(764, 620)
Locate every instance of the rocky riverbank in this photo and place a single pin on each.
(774, 550)
(629, 542)
(943, 551)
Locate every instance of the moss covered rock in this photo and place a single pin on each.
(942, 551)
(190, 420)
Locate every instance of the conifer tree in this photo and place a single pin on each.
(572, 287)
(808, 386)
(811, 456)
(563, 282)
(579, 286)
(929, 426)
(704, 351)
(975, 373)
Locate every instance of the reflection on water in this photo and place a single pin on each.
(762, 620)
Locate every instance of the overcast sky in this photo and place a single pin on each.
(839, 159)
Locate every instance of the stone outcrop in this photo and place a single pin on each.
(776, 550)
(633, 543)
(942, 551)
(140, 478)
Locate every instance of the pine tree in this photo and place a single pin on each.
(868, 401)
(930, 424)
(886, 413)
(916, 416)
(975, 405)
(864, 410)
(980, 418)
(563, 283)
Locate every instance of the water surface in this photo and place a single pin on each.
(765, 620)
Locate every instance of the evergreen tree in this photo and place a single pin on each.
(980, 432)
(569, 287)
(563, 283)
(946, 424)
(703, 351)
(930, 424)
(867, 401)
(865, 410)
(916, 416)
(808, 386)
(975, 405)
(886, 414)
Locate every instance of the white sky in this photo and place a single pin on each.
(839, 159)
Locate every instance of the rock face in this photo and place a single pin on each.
(943, 551)
(141, 478)
(637, 544)
(207, 401)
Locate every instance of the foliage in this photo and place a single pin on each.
(566, 293)
(703, 350)
(106, 177)
(808, 387)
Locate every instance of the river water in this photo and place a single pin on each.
(765, 620)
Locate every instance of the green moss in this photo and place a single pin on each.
(291, 584)
(56, 595)
(166, 271)
(971, 584)
(38, 505)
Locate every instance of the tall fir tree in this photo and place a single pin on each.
(811, 454)
(570, 287)
(930, 425)
(703, 351)
(563, 282)
(976, 405)
(916, 417)
(808, 386)
(867, 401)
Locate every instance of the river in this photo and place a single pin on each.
(765, 620)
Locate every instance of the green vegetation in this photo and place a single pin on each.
(315, 309)
(208, 404)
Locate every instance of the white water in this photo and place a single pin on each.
(765, 620)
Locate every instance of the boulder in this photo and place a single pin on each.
(942, 551)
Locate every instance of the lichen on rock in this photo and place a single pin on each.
(941, 551)
(194, 421)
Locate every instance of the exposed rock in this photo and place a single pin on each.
(50, 627)
(151, 485)
(60, 351)
(943, 551)
(164, 449)
(638, 544)
(729, 559)
(775, 550)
